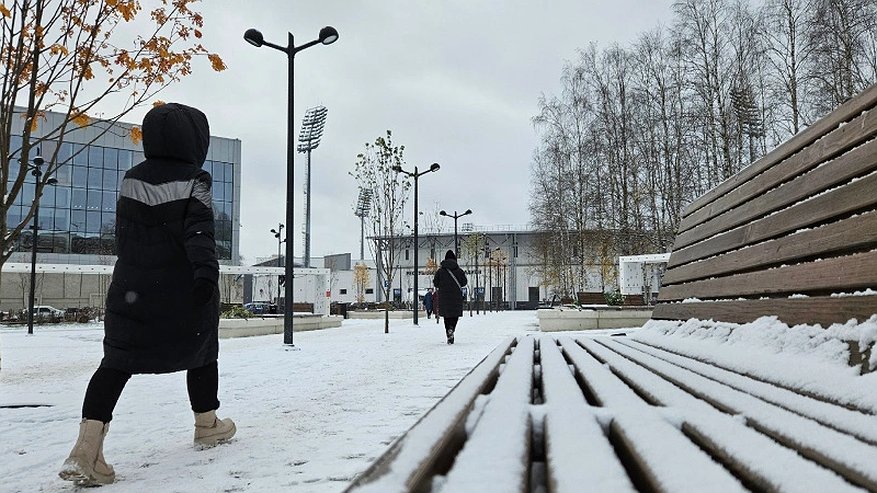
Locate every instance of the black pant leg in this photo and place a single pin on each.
(451, 323)
(203, 386)
(102, 394)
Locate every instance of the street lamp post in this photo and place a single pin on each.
(456, 216)
(36, 170)
(416, 175)
(279, 241)
(328, 35)
(487, 275)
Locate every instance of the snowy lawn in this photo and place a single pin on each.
(308, 419)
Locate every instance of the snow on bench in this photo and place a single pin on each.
(605, 413)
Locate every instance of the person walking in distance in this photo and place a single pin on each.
(162, 311)
(449, 280)
(427, 303)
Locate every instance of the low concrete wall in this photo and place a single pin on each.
(379, 314)
(246, 327)
(555, 320)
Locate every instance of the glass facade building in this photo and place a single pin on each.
(77, 215)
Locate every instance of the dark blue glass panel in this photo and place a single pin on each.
(78, 199)
(109, 201)
(94, 200)
(95, 178)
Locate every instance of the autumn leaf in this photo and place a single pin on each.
(57, 49)
(158, 103)
(4, 11)
(136, 135)
(216, 62)
(81, 119)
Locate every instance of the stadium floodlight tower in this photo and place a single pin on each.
(363, 207)
(308, 140)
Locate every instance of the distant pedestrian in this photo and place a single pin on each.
(163, 303)
(449, 280)
(427, 302)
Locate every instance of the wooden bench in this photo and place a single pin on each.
(652, 413)
(591, 298)
(300, 307)
(786, 234)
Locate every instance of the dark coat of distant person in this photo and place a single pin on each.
(163, 305)
(451, 298)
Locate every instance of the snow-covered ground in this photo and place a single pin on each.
(308, 420)
(311, 418)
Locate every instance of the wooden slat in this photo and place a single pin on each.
(573, 432)
(857, 162)
(726, 437)
(848, 273)
(864, 101)
(859, 130)
(414, 457)
(852, 422)
(844, 454)
(849, 235)
(814, 310)
(853, 197)
(638, 425)
(504, 426)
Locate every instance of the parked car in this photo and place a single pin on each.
(46, 312)
(260, 307)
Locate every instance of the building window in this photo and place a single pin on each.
(369, 291)
(406, 254)
(343, 291)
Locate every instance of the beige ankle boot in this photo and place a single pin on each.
(86, 465)
(211, 431)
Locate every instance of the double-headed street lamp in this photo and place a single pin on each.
(36, 170)
(279, 241)
(328, 35)
(416, 175)
(456, 216)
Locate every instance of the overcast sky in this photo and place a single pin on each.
(457, 81)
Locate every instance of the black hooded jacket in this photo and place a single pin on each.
(450, 298)
(164, 241)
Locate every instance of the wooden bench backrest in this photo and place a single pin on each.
(800, 221)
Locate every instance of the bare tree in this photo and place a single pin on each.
(374, 171)
(842, 34)
(636, 133)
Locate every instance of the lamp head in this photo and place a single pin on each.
(328, 35)
(468, 211)
(38, 160)
(434, 167)
(397, 168)
(254, 37)
(443, 213)
(51, 181)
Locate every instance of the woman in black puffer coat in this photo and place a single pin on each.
(163, 304)
(449, 280)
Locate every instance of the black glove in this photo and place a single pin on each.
(203, 291)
